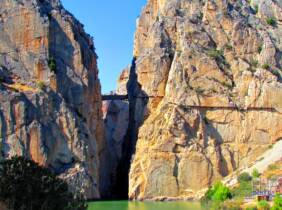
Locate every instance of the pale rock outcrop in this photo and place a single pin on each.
(206, 82)
(50, 101)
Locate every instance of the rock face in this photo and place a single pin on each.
(115, 115)
(50, 101)
(206, 81)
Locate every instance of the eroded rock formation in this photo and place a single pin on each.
(206, 81)
(50, 101)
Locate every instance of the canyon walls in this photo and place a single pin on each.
(205, 93)
(50, 100)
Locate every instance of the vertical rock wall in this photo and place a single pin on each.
(50, 100)
(211, 74)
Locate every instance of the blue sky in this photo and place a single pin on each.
(112, 24)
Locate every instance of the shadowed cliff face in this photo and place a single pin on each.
(211, 73)
(50, 101)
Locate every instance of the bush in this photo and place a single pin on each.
(263, 205)
(218, 192)
(231, 205)
(228, 46)
(273, 167)
(260, 49)
(244, 177)
(215, 53)
(271, 21)
(251, 208)
(40, 85)
(277, 202)
(243, 190)
(52, 64)
(266, 66)
(256, 9)
(255, 173)
(24, 185)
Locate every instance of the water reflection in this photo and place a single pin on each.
(125, 205)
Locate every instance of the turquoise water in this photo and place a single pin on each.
(127, 205)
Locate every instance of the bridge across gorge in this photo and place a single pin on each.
(231, 107)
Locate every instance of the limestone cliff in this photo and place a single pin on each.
(206, 81)
(50, 101)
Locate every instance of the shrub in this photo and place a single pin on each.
(40, 85)
(251, 208)
(231, 205)
(272, 167)
(271, 21)
(228, 47)
(256, 9)
(277, 202)
(255, 173)
(260, 49)
(263, 205)
(52, 64)
(254, 63)
(215, 53)
(218, 192)
(244, 177)
(244, 189)
(24, 185)
(266, 66)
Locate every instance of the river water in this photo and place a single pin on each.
(128, 205)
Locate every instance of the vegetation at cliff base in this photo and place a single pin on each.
(24, 185)
(263, 205)
(277, 202)
(244, 187)
(216, 195)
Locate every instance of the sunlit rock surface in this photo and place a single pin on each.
(207, 84)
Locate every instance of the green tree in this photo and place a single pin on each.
(255, 173)
(277, 202)
(24, 185)
(218, 192)
(244, 177)
(263, 205)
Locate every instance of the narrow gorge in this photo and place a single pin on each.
(201, 98)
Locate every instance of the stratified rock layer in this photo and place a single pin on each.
(50, 101)
(210, 71)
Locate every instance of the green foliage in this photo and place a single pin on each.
(256, 8)
(255, 173)
(24, 185)
(254, 63)
(218, 192)
(277, 202)
(52, 64)
(244, 177)
(40, 85)
(263, 205)
(270, 146)
(271, 21)
(244, 189)
(228, 46)
(266, 66)
(272, 167)
(252, 208)
(230, 205)
(260, 49)
(215, 53)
